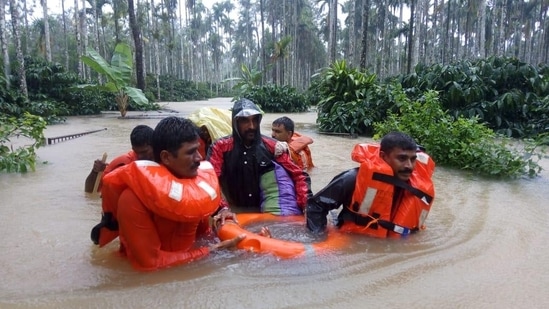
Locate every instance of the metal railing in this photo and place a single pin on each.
(58, 139)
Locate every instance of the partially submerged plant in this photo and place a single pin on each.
(118, 74)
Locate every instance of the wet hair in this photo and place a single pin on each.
(286, 122)
(141, 136)
(394, 140)
(170, 133)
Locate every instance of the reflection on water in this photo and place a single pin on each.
(485, 246)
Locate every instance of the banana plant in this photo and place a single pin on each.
(118, 74)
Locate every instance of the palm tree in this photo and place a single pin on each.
(18, 50)
(364, 42)
(25, 47)
(65, 36)
(84, 34)
(79, 51)
(263, 49)
(136, 32)
(95, 14)
(44, 4)
(156, 38)
(410, 36)
(280, 52)
(4, 44)
(216, 39)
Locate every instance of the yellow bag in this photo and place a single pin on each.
(218, 121)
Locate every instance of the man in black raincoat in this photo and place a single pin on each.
(243, 157)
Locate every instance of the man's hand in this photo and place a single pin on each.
(222, 216)
(99, 166)
(265, 232)
(280, 148)
(229, 243)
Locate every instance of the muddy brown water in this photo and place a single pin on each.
(486, 245)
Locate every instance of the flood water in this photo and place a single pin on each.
(486, 243)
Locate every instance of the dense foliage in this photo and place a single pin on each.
(52, 94)
(176, 90)
(458, 129)
(276, 99)
(503, 94)
(510, 96)
(17, 156)
(270, 97)
(459, 142)
(350, 100)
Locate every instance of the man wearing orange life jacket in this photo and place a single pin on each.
(140, 139)
(159, 208)
(283, 130)
(388, 195)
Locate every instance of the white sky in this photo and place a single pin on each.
(54, 6)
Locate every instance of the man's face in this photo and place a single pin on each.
(401, 161)
(144, 152)
(280, 133)
(187, 161)
(247, 128)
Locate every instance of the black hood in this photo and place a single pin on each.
(245, 108)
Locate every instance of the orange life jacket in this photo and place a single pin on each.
(370, 209)
(124, 159)
(182, 200)
(300, 152)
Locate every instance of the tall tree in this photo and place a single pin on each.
(18, 50)
(65, 36)
(84, 36)
(332, 40)
(4, 42)
(189, 11)
(26, 37)
(280, 52)
(155, 38)
(544, 25)
(79, 50)
(364, 41)
(44, 4)
(351, 33)
(482, 28)
(138, 44)
(96, 11)
(263, 40)
(411, 36)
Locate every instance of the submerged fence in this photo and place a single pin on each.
(58, 139)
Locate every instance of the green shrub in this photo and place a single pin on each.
(505, 93)
(461, 143)
(177, 90)
(350, 100)
(52, 89)
(276, 99)
(20, 159)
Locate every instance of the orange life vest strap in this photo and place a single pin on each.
(426, 198)
(373, 222)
